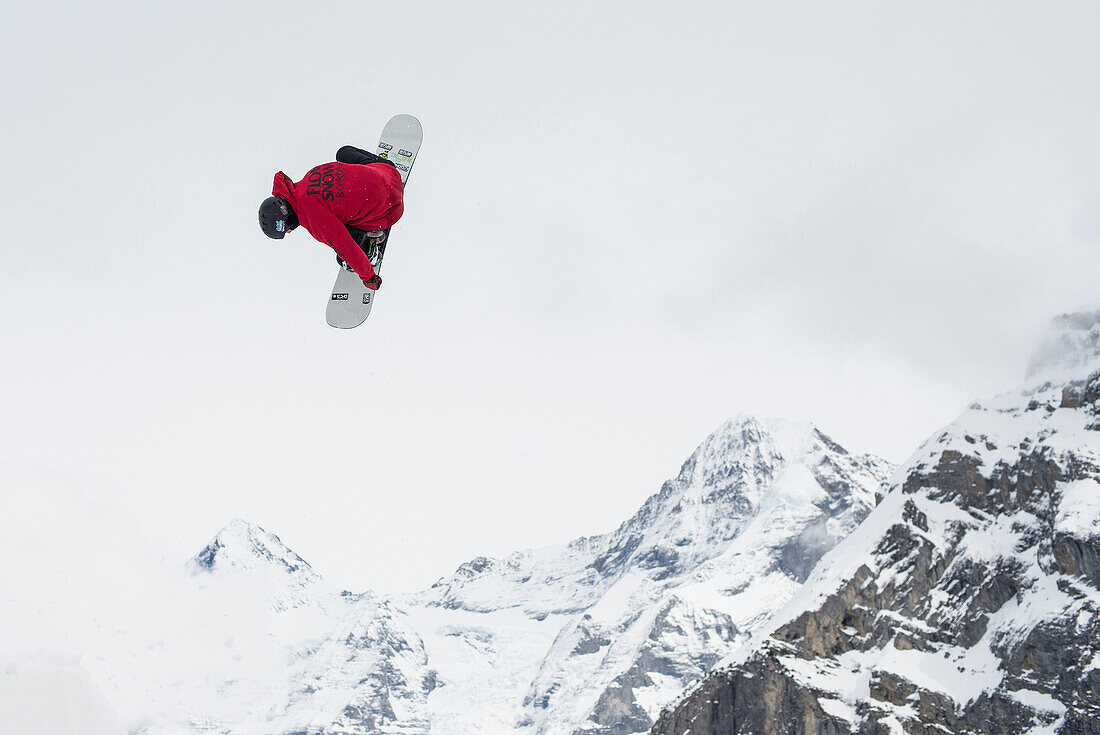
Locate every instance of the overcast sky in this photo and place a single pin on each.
(628, 222)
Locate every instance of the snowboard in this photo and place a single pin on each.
(350, 301)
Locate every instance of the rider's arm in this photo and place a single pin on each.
(327, 228)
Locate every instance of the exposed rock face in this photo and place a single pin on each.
(967, 602)
(369, 676)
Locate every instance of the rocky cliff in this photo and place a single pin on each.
(967, 602)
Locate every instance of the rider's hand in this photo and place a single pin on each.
(374, 283)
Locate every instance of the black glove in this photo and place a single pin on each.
(374, 283)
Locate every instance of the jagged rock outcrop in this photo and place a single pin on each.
(370, 676)
(967, 602)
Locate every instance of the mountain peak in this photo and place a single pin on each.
(747, 443)
(749, 459)
(245, 547)
(748, 469)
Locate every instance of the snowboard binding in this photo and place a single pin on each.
(371, 242)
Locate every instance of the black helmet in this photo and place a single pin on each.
(277, 218)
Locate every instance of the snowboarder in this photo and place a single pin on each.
(349, 205)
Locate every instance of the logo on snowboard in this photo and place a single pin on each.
(366, 298)
(339, 297)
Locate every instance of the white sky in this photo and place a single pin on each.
(629, 221)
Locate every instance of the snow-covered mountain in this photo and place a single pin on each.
(650, 606)
(243, 552)
(351, 662)
(595, 636)
(967, 602)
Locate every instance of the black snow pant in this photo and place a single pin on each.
(351, 154)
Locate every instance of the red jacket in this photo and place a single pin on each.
(332, 195)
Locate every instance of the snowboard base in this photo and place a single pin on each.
(350, 301)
